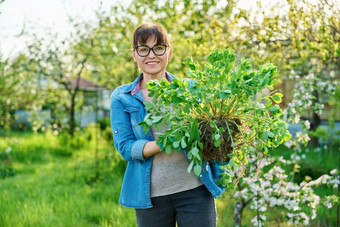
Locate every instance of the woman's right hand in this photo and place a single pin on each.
(151, 148)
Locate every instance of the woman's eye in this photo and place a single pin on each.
(159, 48)
(143, 49)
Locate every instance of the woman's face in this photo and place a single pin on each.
(152, 64)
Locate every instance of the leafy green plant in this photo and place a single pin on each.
(226, 114)
(6, 167)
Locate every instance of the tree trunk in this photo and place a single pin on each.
(238, 214)
(316, 121)
(72, 119)
(73, 98)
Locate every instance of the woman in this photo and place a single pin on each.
(156, 184)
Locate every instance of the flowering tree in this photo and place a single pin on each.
(275, 187)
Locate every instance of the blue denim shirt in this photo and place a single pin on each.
(127, 111)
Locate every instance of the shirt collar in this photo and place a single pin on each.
(137, 86)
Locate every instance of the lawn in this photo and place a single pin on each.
(63, 182)
(53, 187)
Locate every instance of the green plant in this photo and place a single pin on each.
(104, 122)
(224, 116)
(107, 134)
(6, 168)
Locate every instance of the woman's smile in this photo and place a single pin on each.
(152, 62)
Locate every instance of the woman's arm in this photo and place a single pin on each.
(124, 139)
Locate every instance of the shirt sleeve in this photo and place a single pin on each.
(124, 139)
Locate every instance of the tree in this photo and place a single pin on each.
(188, 23)
(273, 188)
(58, 67)
(301, 37)
(19, 90)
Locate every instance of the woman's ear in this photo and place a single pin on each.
(134, 55)
(170, 54)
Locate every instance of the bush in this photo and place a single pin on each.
(6, 171)
(107, 134)
(104, 123)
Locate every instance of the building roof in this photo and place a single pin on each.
(86, 84)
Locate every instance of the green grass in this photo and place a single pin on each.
(57, 183)
(50, 189)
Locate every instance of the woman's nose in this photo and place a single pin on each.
(151, 54)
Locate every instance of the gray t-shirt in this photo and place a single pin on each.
(169, 172)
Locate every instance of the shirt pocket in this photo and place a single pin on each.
(133, 111)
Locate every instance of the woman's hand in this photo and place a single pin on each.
(151, 148)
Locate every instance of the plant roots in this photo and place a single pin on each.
(220, 153)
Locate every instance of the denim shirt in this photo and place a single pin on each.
(127, 111)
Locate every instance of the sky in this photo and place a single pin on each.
(39, 16)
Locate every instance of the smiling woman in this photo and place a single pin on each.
(157, 184)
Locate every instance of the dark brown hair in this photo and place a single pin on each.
(145, 31)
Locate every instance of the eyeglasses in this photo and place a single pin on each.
(144, 50)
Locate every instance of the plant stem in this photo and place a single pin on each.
(212, 108)
(231, 105)
(221, 113)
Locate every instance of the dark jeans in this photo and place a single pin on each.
(195, 207)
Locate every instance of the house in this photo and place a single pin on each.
(95, 97)
(96, 105)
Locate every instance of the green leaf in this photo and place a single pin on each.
(194, 151)
(265, 135)
(194, 132)
(217, 143)
(176, 144)
(156, 120)
(247, 81)
(190, 166)
(186, 108)
(186, 83)
(148, 122)
(270, 134)
(148, 105)
(164, 82)
(277, 97)
(197, 170)
(150, 84)
(200, 145)
(183, 143)
(168, 149)
(217, 136)
(179, 118)
(274, 108)
(224, 94)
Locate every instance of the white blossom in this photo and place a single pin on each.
(256, 222)
(296, 119)
(8, 150)
(307, 124)
(332, 74)
(328, 204)
(334, 171)
(289, 143)
(310, 76)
